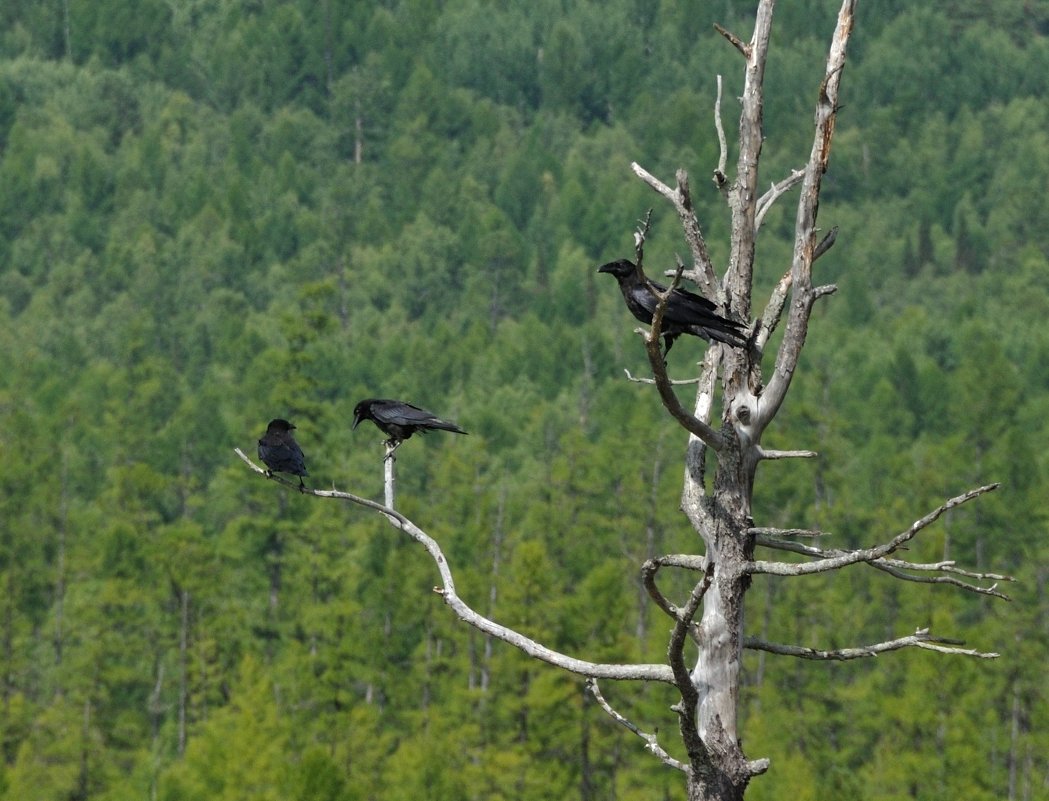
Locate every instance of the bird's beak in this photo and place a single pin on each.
(356, 420)
(605, 268)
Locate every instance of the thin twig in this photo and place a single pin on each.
(920, 639)
(865, 554)
(674, 382)
(651, 743)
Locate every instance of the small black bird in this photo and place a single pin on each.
(280, 452)
(685, 313)
(399, 420)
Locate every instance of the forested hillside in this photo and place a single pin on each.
(217, 212)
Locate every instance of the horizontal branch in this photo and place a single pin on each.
(674, 382)
(920, 639)
(632, 672)
(865, 554)
(823, 291)
(763, 533)
(895, 567)
(774, 454)
(651, 743)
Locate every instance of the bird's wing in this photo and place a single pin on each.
(405, 414)
(692, 313)
(683, 307)
(399, 413)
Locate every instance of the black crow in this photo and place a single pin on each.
(280, 452)
(685, 313)
(399, 420)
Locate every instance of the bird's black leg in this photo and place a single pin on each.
(668, 343)
(302, 486)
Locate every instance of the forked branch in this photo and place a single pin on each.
(703, 272)
(898, 568)
(865, 554)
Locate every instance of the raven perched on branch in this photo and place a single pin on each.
(399, 420)
(279, 451)
(685, 313)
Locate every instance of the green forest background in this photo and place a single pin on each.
(215, 212)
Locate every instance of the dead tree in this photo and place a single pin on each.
(713, 763)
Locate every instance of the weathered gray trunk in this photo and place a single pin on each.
(722, 520)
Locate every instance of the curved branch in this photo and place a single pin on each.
(865, 554)
(688, 421)
(529, 646)
(648, 579)
(689, 705)
(920, 639)
(651, 743)
(775, 191)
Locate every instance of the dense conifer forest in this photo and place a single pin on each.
(217, 212)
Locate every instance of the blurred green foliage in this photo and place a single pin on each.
(214, 213)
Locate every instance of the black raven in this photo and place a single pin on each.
(399, 420)
(280, 452)
(685, 313)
